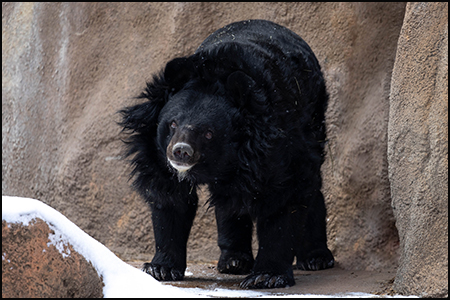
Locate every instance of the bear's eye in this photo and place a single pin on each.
(208, 134)
(173, 125)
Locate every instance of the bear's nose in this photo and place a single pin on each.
(182, 152)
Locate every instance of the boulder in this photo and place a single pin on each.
(418, 150)
(34, 266)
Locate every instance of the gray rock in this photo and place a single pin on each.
(418, 150)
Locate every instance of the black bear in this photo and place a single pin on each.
(245, 115)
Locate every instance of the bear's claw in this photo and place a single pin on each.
(163, 273)
(266, 281)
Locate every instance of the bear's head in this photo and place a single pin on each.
(200, 127)
(195, 132)
(197, 118)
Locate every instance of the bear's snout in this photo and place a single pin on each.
(182, 152)
(181, 155)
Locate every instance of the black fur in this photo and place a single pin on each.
(246, 114)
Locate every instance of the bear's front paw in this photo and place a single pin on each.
(266, 281)
(316, 260)
(235, 263)
(163, 273)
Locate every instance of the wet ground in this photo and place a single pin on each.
(325, 282)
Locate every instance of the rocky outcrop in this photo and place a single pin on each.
(33, 267)
(418, 150)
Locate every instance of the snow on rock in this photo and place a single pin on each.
(121, 279)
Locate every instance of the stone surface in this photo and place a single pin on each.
(68, 67)
(332, 282)
(358, 67)
(32, 267)
(418, 150)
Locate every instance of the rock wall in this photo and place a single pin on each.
(361, 225)
(68, 67)
(418, 150)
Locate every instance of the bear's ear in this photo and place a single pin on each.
(177, 72)
(241, 86)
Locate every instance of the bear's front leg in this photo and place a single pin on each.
(235, 242)
(273, 264)
(171, 227)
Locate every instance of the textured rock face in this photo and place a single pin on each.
(32, 267)
(68, 67)
(361, 225)
(418, 150)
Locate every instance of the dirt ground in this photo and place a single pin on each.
(326, 282)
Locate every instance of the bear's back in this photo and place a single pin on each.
(281, 63)
(261, 36)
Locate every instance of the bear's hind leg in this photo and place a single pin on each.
(311, 237)
(273, 265)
